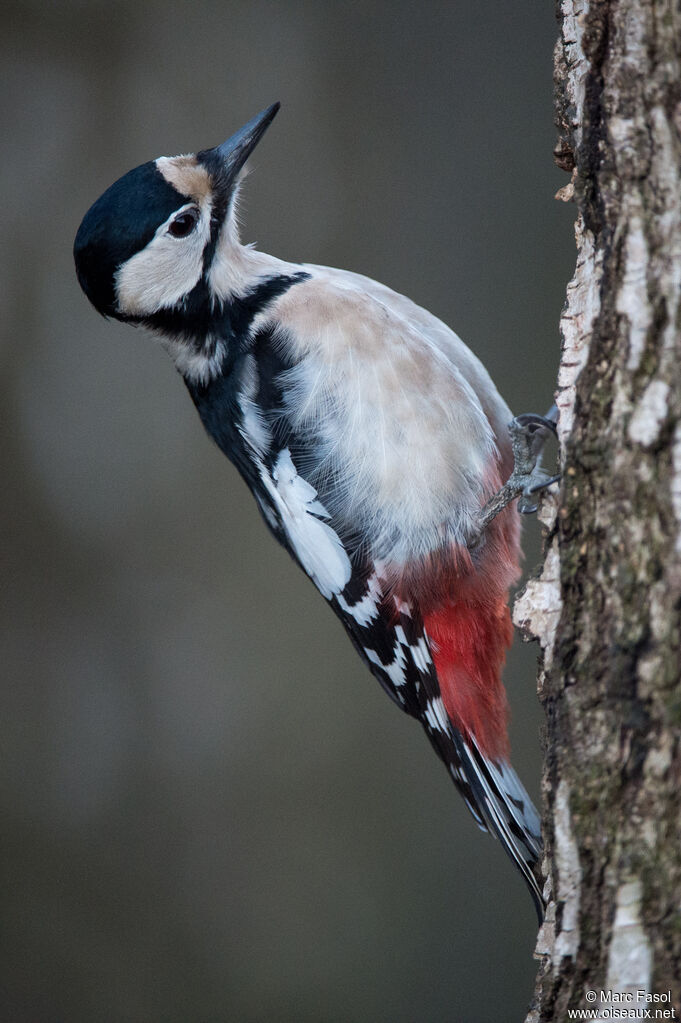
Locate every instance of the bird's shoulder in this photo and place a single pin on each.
(339, 308)
(333, 310)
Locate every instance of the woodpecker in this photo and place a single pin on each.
(371, 437)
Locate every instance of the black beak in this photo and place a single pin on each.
(224, 162)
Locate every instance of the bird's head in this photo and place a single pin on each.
(145, 250)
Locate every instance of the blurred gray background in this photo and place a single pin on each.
(210, 810)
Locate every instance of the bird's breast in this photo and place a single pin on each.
(401, 443)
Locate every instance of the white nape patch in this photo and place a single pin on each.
(165, 270)
(253, 428)
(436, 715)
(394, 670)
(366, 609)
(650, 413)
(314, 542)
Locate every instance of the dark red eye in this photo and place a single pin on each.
(183, 224)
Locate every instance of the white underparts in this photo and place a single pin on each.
(398, 427)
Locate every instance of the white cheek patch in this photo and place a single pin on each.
(164, 271)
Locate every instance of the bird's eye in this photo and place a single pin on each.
(183, 224)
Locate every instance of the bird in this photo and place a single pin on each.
(369, 434)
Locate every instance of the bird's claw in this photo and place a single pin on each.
(526, 506)
(529, 433)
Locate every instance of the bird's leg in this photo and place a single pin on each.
(529, 433)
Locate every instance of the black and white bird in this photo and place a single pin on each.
(370, 436)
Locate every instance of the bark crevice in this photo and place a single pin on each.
(606, 607)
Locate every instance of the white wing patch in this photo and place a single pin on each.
(314, 542)
(253, 427)
(394, 670)
(366, 609)
(420, 653)
(436, 715)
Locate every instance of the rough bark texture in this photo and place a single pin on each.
(607, 606)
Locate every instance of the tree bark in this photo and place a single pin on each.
(606, 607)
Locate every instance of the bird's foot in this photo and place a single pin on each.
(529, 433)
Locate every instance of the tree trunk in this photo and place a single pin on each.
(606, 608)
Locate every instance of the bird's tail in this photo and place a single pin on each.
(469, 633)
(468, 642)
(502, 806)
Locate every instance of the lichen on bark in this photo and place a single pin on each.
(606, 607)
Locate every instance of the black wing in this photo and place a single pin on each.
(390, 637)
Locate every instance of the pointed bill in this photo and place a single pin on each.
(229, 158)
